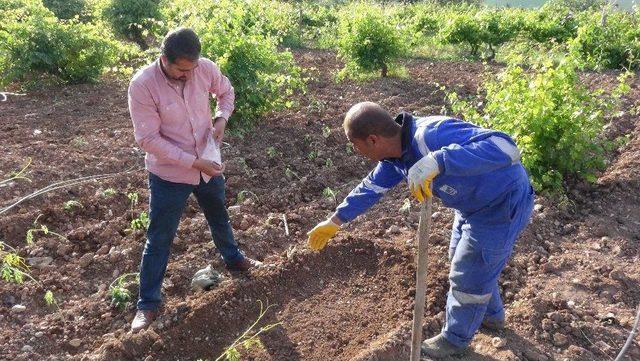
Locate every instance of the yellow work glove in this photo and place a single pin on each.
(321, 234)
(421, 175)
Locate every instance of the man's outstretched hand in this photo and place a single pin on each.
(322, 233)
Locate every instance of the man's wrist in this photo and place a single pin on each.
(217, 119)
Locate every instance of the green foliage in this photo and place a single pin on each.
(289, 173)
(119, 289)
(328, 163)
(406, 206)
(319, 24)
(264, 78)
(49, 299)
(579, 5)
(20, 174)
(462, 28)
(272, 152)
(109, 192)
(326, 131)
(555, 120)
(349, 148)
(33, 42)
(40, 228)
(490, 28)
(615, 45)
(66, 9)
(244, 195)
(141, 222)
(134, 20)
(367, 41)
(329, 193)
(71, 204)
(551, 23)
(13, 269)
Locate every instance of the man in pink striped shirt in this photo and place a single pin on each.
(169, 106)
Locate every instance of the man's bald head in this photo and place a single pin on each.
(367, 118)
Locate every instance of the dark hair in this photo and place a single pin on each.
(181, 43)
(366, 118)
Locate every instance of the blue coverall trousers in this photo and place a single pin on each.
(479, 250)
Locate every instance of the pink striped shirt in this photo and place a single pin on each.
(172, 130)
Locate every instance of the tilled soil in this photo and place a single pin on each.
(571, 288)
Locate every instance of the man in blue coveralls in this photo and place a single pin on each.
(473, 170)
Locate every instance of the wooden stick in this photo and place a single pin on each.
(424, 227)
(286, 226)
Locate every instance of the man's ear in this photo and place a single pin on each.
(372, 139)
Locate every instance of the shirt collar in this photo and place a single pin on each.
(405, 120)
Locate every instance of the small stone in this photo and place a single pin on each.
(617, 275)
(206, 278)
(63, 250)
(27, 348)
(76, 342)
(498, 342)
(85, 260)
(538, 207)
(560, 340)
(394, 229)
(18, 309)
(39, 262)
(233, 210)
(103, 250)
(39, 334)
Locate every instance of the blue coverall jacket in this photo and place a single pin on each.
(482, 179)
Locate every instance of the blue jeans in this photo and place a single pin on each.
(479, 251)
(166, 204)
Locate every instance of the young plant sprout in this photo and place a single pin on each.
(120, 294)
(18, 175)
(244, 195)
(13, 269)
(70, 205)
(329, 193)
(29, 237)
(249, 338)
(326, 131)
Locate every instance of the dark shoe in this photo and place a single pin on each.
(493, 325)
(244, 265)
(143, 319)
(438, 347)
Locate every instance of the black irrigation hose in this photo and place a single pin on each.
(66, 183)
